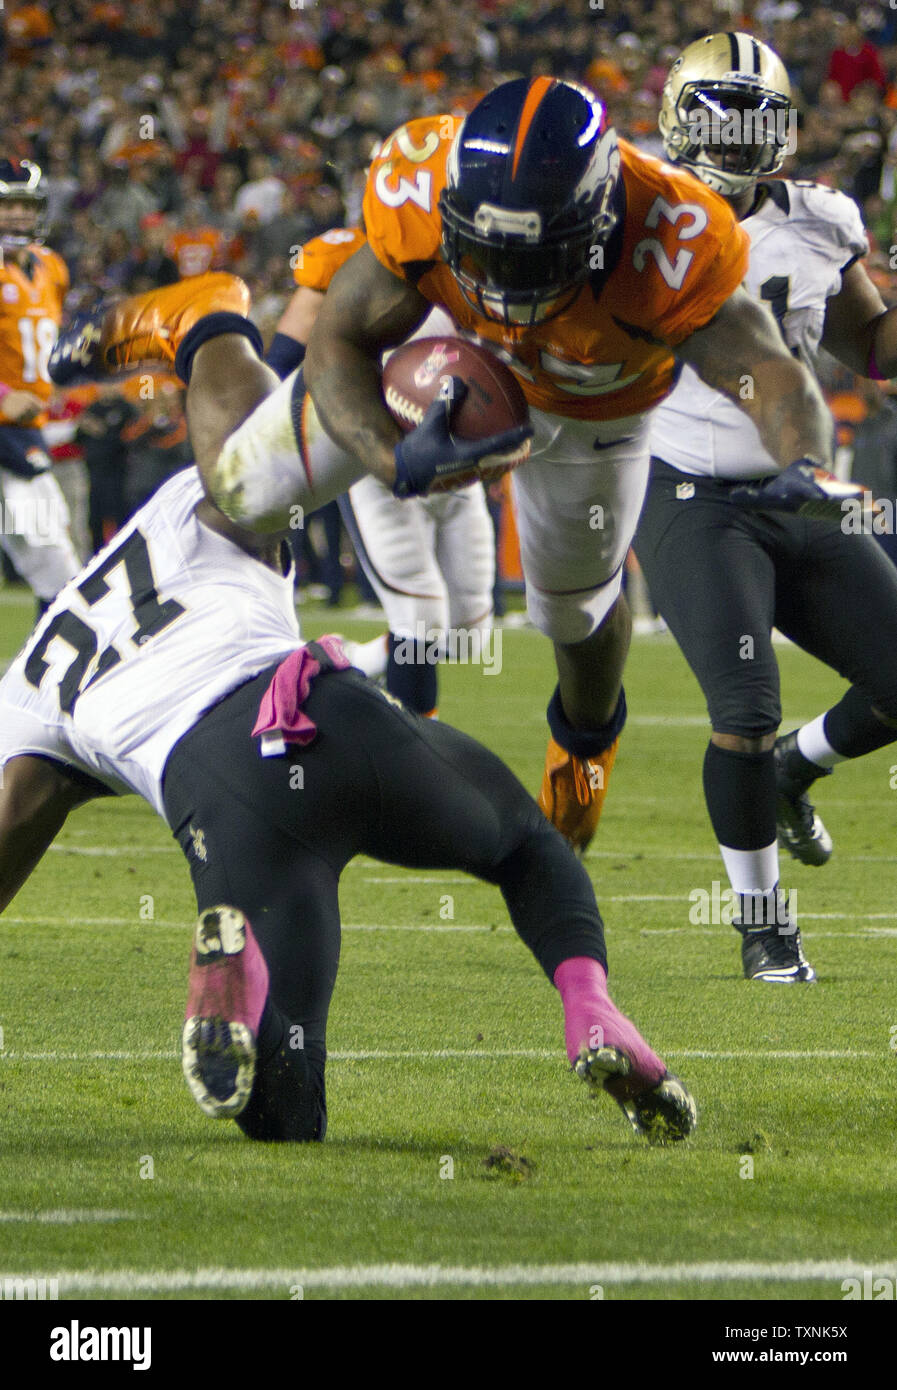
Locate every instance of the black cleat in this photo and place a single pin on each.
(773, 951)
(76, 355)
(800, 829)
(664, 1113)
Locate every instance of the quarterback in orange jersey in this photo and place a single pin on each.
(431, 559)
(33, 282)
(590, 268)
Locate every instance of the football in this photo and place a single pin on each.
(411, 380)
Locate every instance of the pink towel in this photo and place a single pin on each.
(281, 718)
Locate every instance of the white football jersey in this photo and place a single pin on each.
(163, 623)
(802, 238)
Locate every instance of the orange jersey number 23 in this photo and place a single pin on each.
(676, 257)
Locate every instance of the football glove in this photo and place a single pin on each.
(804, 488)
(431, 451)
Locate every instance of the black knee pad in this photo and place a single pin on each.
(730, 714)
(288, 1104)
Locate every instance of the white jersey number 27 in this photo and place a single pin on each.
(150, 615)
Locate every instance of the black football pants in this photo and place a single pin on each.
(722, 576)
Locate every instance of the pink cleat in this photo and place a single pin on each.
(609, 1053)
(226, 998)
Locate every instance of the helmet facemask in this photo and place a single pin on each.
(514, 269)
(23, 206)
(730, 133)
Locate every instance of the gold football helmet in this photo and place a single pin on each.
(726, 112)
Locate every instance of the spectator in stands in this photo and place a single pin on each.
(124, 201)
(29, 29)
(262, 197)
(151, 265)
(855, 60)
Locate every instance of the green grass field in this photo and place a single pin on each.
(446, 1046)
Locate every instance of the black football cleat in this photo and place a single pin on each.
(772, 951)
(799, 828)
(76, 355)
(663, 1113)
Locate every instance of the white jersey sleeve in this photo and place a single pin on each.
(803, 237)
(163, 623)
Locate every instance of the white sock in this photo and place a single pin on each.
(814, 745)
(263, 481)
(752, 870)
(370, 657)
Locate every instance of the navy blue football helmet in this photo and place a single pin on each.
(24, 204)
(529, 197)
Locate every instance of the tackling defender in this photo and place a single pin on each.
(723, 561)
(431, 560)
(172, 667)
(34, 517)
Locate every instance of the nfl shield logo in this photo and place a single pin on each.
(436, 362)
(684, 491)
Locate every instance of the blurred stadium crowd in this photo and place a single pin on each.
(223, 134)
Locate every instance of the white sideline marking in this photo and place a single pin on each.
(114, 851)
(415, 878)
(185, 923)
(68, 1217)
(865, 934)
(94, 922)
(637, 856)
(406, 1276)
(537, 1054)
(671, 721)
(630, 853)
(422, 926)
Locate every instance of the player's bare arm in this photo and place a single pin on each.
(859, 330)
(366, 310)
(227, 383)
(36, 796)
(301, 313)
(741, 353)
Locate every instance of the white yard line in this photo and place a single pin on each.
(114, 851)
(408, 1276)
(631, 854)
(867, 933)
(536, 1054)
(68, 1217)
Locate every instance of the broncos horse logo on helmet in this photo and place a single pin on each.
(726, 113)
(23, 204)
(529, 199)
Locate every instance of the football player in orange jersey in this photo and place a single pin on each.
(589, 267)
(431, 560)
(34, 517)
